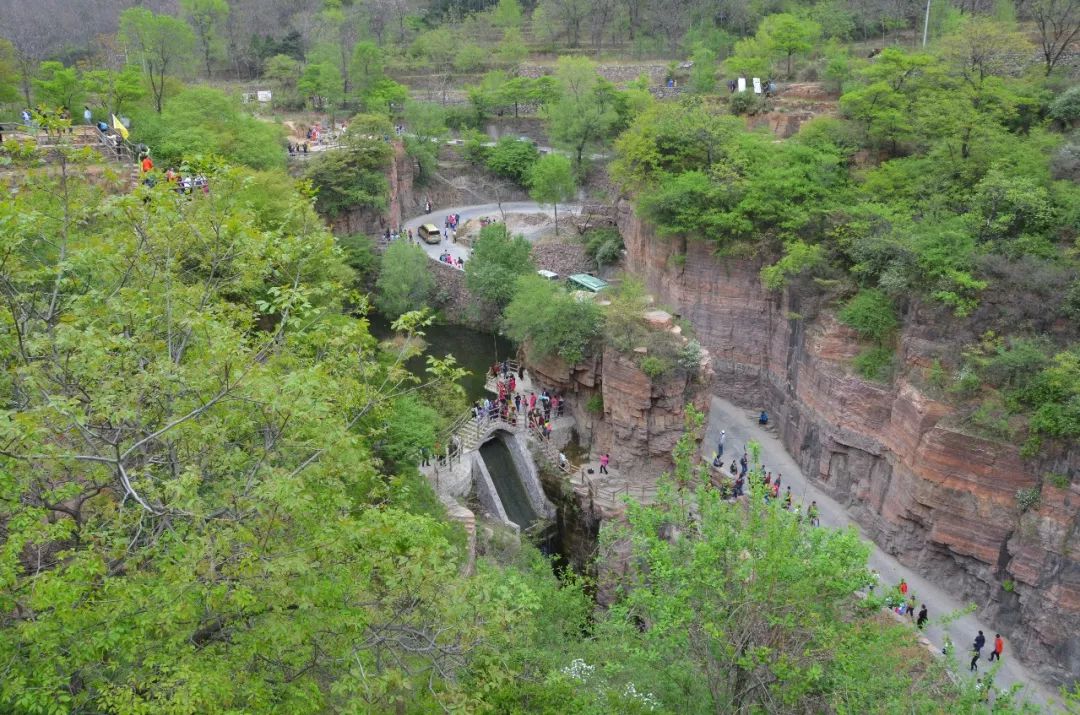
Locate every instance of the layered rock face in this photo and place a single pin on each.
(942, 501)
(642, 418)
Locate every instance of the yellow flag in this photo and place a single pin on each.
(119, 127)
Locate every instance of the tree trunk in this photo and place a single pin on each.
(556, 219)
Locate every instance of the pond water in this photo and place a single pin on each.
(474, 350)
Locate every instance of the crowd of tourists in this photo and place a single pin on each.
(513, 404)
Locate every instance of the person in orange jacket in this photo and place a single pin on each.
(999, 646)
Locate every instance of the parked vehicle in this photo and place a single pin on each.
(430, 233)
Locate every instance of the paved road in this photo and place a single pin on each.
(741, 427)
(438, 217)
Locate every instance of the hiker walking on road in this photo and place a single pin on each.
(812, 513)
(999, 646)
(904, 588)
(980, 641)
(604, 459)
(720, 445)
(921, 622)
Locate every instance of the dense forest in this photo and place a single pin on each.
(210, 488)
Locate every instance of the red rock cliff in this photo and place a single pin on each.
(942, 501)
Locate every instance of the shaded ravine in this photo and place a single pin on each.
(507, 481)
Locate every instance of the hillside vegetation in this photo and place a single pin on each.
(210, 487)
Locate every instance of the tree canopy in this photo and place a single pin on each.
(496, 262)
(203, 122)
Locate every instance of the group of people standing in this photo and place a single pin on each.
(512, 404)
(457, 262)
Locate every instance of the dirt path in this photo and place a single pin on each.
(741, 426)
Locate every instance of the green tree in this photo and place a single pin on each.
(871, 314)
(9, 72)
(512, 49)
(551, 322)
(703, 73)
(405, 281)
(207, 19)
(321, 83)
(367, 66)
(112, 91)
(1066, 107)
(584, 113)
(513, 159)
(241, 432)
(786, 36)
(426, 124)
(160, 43)
(284, 72)
(551, 181)
(498, 259)
(353, 178)
(58, 86)
(386, 96)
(507, 14)
(747, 606)
(338, 27)
(470, 58)
(201, 122)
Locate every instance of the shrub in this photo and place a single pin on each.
(1027, 499)
(1060, 481)
(875, 364)
(992, 419)
(1014, 366)
(595, 404)
(470, 58)
(746, 103)
(513, 159)
(360, 254)
(1066, 106)
(690, 356)
(871, 314)
(799, 257)
(967, 383)
(604, 246)
(653, 366)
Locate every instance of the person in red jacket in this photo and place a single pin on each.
(903, 587)
(147, 164)
(999, 646)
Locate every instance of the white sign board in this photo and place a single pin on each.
(264, 95)
(742, 84)
(757, 85)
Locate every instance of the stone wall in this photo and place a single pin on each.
(941, 500)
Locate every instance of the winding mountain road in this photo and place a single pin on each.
(438, 217)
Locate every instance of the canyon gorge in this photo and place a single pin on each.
(936, 495)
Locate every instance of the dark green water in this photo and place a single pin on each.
(475, 351)
(504, 475)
